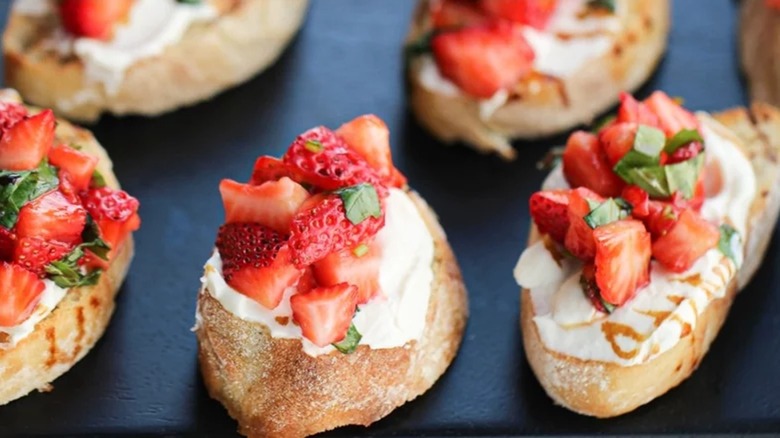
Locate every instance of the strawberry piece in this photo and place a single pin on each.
(67, 188)
(671, 116)
(482, 60)
(325, 313)
(633, 111)
(11, 113)
(579, 237)
(684, 153)
(369, 136)
(272, 203)
(549, 210)
(455, 13)
(535, 13)
(34, 253)
(320, 158)
(586, 165)
(357, 266)
(93, 18)
(23, 145)
(661, 217)
(76, 164)
(622, 259)
(686, 241)
(21, 291)
(639, 200)
(7, 244)
(321, 227)
(256, 262)
(591, 289)
(617, 140)
(699, 193)
(116, 215)
(267, 169)
(52, 217)
(307, 281)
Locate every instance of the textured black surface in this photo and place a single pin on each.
(142, 376)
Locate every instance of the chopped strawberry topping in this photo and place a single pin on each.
(661, 217)
(685, 242)
(27, 142)
(325, 313)
(7, 244)
(617, 140)
(685, 152)
(52, 217)
(272, 203)
(639, 200)
(672, 117)
(586, 165)
(549, 210)
(268, 169)
(79, 166)
(369, 136)
(455, 13)
(358, 266)
(34, 253)
(535, 13)
(622, 259)
(93, 18)
(579, 236)
(11, 113)
(21, 291)
(116, 214)
(633, 111)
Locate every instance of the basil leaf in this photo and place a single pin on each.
(67, 273)
(730, 244)
(646, 151)
(19, 188)
(420, 46)
(360, 202)
(350, 342)
(651, 179)
(98, 181)
(190, 2)
(608, 5)
(682, 138)
(611, 210)
(681, 177)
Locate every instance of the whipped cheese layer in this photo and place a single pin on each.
(392, 319)
(665, 310)
(153, 25)
(52, 295)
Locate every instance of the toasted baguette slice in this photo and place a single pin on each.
(603, 389)
(273, 388)
(759, 45)
(72, 329)
(543, 106)
(248, 36)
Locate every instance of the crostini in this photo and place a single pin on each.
(86, 57)
(760, 44)
(65, 245)
(485, 72)
(642, 237)
(332, 296)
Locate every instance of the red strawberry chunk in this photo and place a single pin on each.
(357, 266)
(109, 203)
(622, 259)
(307, 281)
(34, 253)
(586, 165)
(7, 244)
(369, 136)
(11, 113)
(483, 59)
(21, 291)
(633, 111)
(76, 164)
(26, 143)
(686, 242)
(661, 217)
(52, 217)
(550, 212)
(684, 153)
(535, 13)
(617, 140)
(273, 203)
(93, 18)
(639, 200)
(325, 313)
(267, 169)
(672, 117)
(455, 13)
(579, 237)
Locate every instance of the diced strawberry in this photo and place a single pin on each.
(549, 210)
(11, 113)
(267, 169)
(684, 153)
(93, 18)
(617, 140)
(369, 136)
(325, 313)
(307, 281)
(358, 266)
(671, 116)
(272, 203)
(591, 289)
(7, 244)
(482, 60)
(633, 111)
(639, 200)
(322, 159)
(79, 166)
(26, 143)
(21, 291)
(321, 227)
(586, 165)
(699, 193)
(52, 217)
(535, 13)
(256, 262)
(34, 253)
(116, 214)
(448, 14)
(67, 188)
(686, 241)
(661, 217)
(579, 237)
(622, 259)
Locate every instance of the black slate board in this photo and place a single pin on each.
(142, 377)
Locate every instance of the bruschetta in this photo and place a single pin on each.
(65, 245)
(484, 72)
(332, 296)
(86, 57)
(641, 239)
(760, 44)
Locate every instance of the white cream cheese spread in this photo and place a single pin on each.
(392, 319)
(664, 311)
(52, 295)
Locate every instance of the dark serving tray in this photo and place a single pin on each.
(142, 377)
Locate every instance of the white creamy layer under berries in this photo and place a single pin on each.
(110, 36)
(653, 233)
(325, 244)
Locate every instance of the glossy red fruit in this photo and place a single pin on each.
(672, 117)
(34, 253)
(7, 244)
(26, 143)
(639, 200)
(623, 250)
(52, 217)
(325, 313)
(685, 152)
(661, 217)
(357, 266)
(535, 13)
(449, 14)
(633, 111)
(586, 165)
(369, 136)
(550, 212)
(78, 165)
(482, 60)
(21, 291)
(272, 203)
(616, 140)
(11, 113)
(686, 242)
(579, 237)
(108, 203)
(93, 18)
(268, 169)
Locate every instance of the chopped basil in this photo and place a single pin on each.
(646, 151)
(360, 202)
(190, 2)
(313, 146)
(608, 5)
(67, 273)
(682, 138)
(681, 177)
(19, 188)
(730, 244)
(611, 210)
(360, 250)
(651, 179)
(98, 181)
(601, 123)
(350, 342)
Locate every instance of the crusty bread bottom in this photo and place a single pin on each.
(604, 389)
(274, 389)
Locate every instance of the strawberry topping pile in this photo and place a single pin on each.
(93, 18)
(58, 220)
(638, 188)
(308, 221)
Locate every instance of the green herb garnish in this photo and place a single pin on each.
(608, 5)
(17, 188)
(681, 177)
(98, 181)
(190, 2)
(360, 250)
(611, 210)
(682, 138)
(350, 342)
(730, 244)
(67, 273)
(360, 202)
